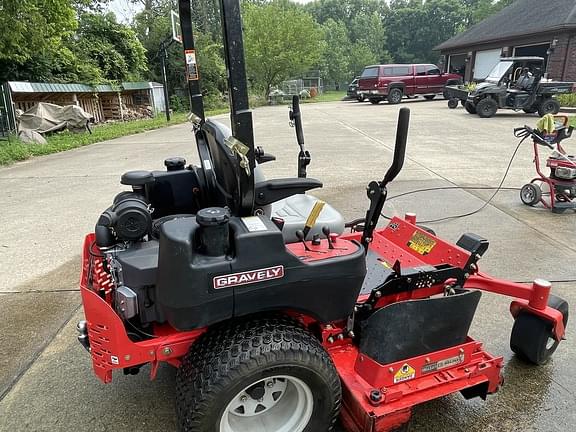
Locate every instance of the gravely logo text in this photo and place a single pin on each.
(248, 277)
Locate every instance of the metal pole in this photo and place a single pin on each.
(240, 114)
(194, 88)
(163, 55)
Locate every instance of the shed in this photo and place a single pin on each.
(524, 28)
(104, 102)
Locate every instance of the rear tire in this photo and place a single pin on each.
(470, 107)
(548, 106)
(531, 194)
(487, 108)
(374, 101)
(395, 96)
(429, 97)
(531, 337)
(257, 375)
(361, 98)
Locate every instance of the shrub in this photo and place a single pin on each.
(567, 100)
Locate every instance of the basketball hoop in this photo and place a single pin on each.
(176, 29)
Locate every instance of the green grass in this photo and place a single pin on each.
(328, 96)
(573, 121)
(15, 150)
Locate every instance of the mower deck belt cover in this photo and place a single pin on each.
(259, 274)
(416, 327)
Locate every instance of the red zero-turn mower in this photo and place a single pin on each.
(275, 319)
(561, 183)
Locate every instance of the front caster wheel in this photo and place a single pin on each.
(532, 339)
(453, 103)
(530, 194)
(259, 375)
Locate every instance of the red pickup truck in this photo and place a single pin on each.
(394, 81)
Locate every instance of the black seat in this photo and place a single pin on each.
(227, 180)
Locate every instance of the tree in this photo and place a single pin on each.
(30, 27)
(336, 56)
(111, 47)
(415, 27)
(281, 41)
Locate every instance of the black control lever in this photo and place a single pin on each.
(377, 191)
(304, 157)
(326, 232)
(300, 237)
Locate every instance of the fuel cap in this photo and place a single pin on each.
(212, 216)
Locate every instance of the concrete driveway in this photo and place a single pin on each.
(49, 203)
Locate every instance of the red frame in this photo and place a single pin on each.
(112, 349)
(551, 163)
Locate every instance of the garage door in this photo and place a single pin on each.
(485, 61)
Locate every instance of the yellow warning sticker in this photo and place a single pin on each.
(405, 373)
(421, 243)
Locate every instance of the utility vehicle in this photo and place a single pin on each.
(515, 83)
(276, 319)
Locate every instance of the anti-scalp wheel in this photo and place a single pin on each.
(532, 338)
(258, 375)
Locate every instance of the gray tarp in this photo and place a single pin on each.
(46, 117)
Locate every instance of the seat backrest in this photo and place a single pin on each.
(230, 177)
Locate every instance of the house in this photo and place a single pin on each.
(525, 28)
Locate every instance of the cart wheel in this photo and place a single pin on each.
(548, 106)
(487, 107)
(453, 103)
(531, 337)
(259, 375)
(470, 107)
(530, 194)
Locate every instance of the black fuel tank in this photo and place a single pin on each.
(258, 274)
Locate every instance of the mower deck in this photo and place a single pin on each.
(376, 397)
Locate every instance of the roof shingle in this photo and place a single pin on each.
(523, 17)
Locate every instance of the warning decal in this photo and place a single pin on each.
(405, 373)
(421, 243)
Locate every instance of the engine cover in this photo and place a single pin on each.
(565, 173)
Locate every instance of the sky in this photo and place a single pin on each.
(125, 9)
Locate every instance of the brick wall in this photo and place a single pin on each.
(562, 64)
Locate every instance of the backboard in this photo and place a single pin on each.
(176, 29)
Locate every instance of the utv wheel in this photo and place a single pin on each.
(374, 101)
(530, 194)
(548, 106)
(487, 108)
(429, 97)
(453, 103)
(258, 375)
(532, 338)
(395, 96)
(361, 98)
(470, 107)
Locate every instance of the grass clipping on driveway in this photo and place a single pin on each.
(15, 150)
